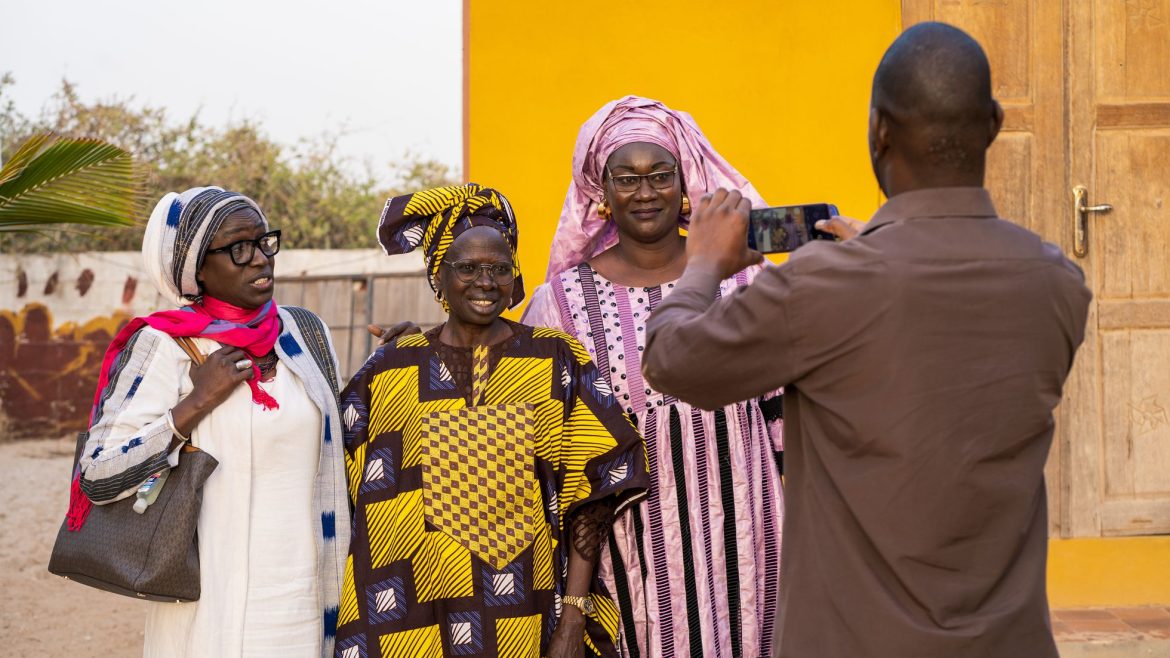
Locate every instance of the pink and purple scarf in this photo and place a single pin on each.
(253, 331)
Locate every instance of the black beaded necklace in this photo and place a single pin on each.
(267, 363)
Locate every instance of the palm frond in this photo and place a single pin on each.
(56, 180)
(23, 155)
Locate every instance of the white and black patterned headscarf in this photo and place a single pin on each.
(179, 232)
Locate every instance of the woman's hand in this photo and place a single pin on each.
(568, 641)
(387, 334)
(213, 382)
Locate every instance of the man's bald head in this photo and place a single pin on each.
(933, 86)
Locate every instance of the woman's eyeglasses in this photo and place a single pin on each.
(242, 251)
(468, 271)
(659, 180)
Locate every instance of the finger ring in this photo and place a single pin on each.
(243, 364)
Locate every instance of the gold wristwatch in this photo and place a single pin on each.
(585, 603)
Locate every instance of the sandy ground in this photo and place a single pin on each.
(42, 614)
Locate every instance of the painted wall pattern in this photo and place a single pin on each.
(48, 371)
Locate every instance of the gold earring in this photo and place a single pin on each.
(603, 210)
(686, 206)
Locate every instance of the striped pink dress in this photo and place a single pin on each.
(695, 567)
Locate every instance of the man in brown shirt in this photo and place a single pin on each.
(922, 360)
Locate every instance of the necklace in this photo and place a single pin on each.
(266, 363)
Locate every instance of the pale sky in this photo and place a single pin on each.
(388, 73)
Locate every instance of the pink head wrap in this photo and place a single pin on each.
(581, 233)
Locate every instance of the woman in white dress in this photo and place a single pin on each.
(274, 524)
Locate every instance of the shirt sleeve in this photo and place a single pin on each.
(713, 353)
(602, 453)
(130, 438)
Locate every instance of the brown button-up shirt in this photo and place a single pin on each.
(922, 361)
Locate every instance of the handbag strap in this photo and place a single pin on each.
(188, 345)
(197, 357)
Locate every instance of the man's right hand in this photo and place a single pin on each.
(842, 227)
(717, 235)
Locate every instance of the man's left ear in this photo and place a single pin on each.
(996, 121)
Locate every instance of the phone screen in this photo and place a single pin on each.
(786, 228)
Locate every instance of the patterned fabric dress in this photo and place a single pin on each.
(460, 547)
(696, 566)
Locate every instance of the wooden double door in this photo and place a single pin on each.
(1085, 85)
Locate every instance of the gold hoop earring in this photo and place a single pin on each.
(686, 206)
(603, 210)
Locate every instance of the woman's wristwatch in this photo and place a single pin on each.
(585, 603)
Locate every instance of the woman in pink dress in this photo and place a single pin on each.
(696, 566)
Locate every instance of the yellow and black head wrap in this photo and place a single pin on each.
(434, 218)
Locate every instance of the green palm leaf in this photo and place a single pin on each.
(58, 180)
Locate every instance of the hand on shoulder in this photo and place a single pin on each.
(387, 334)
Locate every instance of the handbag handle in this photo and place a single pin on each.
(192, 351)
(197, 357)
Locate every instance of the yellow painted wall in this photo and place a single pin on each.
(1112, 571)
(780, 88)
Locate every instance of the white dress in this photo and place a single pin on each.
(273, 526)
(281, 612)
(257, 553)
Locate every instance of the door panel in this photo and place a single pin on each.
(1119, 96)
(1010, 160)
(1133, 174)
(1131, 41)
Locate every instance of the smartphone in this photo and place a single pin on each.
(786, 228)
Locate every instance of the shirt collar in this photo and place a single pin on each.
(934, 202)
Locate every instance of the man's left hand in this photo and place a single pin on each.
(717, 237)
(844, 228)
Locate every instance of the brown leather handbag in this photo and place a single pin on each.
(153, 555)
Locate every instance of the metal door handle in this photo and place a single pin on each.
(1081, 220)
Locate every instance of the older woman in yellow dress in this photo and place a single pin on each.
(486, 462)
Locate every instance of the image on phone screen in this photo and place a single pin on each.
(786, 228)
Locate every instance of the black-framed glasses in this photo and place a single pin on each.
(242, 251)
(659, 180)
(467, 271)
